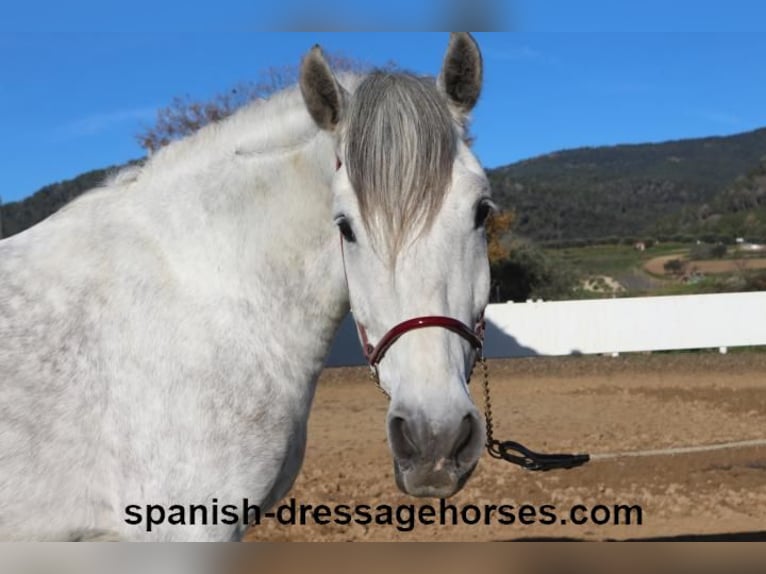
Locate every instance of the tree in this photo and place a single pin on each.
(184, 115)
(674, 266)
(529, 272)
(718, 250)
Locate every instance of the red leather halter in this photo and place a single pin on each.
(375, 353)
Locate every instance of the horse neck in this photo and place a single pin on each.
(257, 224)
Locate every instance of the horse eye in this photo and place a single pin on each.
(346, 231)
(483, 211)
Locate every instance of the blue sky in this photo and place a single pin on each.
(73, 94)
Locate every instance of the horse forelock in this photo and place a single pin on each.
(401, 143)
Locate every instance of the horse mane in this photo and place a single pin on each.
(400, 147)
(263, 127)
(401, 143)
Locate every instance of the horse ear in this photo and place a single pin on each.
(461, 75)
(325, 98)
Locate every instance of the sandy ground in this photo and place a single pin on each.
(593, 404)
(727, 265)
(657, 265)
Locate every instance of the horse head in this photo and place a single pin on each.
(411, 200)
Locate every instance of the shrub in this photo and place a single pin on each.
(530, 273)
(675, 266)
(718, 250)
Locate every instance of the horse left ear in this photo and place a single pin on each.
(461, 75)
(325, 98)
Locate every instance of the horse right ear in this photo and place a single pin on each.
(461, 76)
(325, 98)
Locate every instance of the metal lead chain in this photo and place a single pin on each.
(375, 379)
(491, 444)
(517, 453)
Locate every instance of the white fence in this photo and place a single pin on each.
(606, 326)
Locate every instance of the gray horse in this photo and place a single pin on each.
(161, 336)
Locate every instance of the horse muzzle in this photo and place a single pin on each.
(430, 462)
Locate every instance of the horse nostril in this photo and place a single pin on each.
(469, 441)
(463, 436)
(402, 444)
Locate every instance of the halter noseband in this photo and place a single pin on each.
(375, 354)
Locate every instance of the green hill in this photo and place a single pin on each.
(626, 190)
(737, 211)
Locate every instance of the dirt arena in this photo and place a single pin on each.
(592, 404)
(656, 266)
